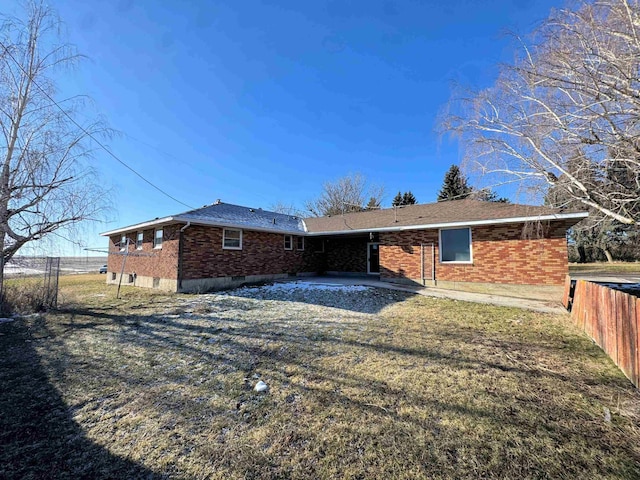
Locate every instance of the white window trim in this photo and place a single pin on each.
(459, 262)
(290, 237)
(155, 233)
(297, 244)
(224, 237)
(141, 242)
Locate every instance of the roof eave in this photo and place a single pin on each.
(178, 219)
(539, 218)
(195, 221)
(151, 223)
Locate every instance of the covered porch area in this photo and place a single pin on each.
(356, 255)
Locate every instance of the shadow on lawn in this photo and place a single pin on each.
(38, 435)
(228, 344)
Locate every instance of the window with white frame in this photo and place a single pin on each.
(232, 239)
(299, 243)
(288, 242)
(123, 243)
(139, 241)
(158, 236)
(455, 245)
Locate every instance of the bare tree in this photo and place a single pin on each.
(347, 194)
(45, 184)
(286, 208)
(573, 92)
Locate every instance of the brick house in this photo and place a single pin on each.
(223, 245)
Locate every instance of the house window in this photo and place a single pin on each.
(123, 243)
(455, 245)
(319, 246)
(299, 243)
(232, 239)
(139, 241)
(157, 238)
(288, 242)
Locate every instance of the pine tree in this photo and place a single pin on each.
(409, 198)
(374, 204)
(455, 186)
(397, 200)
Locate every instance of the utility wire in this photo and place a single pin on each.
(89, 134)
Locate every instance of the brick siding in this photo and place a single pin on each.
(157, 262)
(346, 255)
(262, 253)
(501, 254)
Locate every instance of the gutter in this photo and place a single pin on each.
(560, 216)
(191, 221)
(541, 218)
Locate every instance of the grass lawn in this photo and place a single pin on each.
(363, 385)
(604, 267)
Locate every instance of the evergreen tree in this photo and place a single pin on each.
(374, 204)
(488, 195)
(409, 198)
(397, 200)
(455, 186)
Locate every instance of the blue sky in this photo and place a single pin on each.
(258, 102)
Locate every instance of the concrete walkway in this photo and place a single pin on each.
(504, 301)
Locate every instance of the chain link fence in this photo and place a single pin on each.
(41, 275)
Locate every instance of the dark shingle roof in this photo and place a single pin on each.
(236, 215)
(453, 211)
(430, 215)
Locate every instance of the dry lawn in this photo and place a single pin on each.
(363, 385)
(599, 268)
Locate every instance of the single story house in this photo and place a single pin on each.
(224, 245)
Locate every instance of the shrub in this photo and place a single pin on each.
(23, 296)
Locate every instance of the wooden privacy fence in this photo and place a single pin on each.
(612, 319)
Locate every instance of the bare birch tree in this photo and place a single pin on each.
(573, 92)
(45, 183)
(347, 194)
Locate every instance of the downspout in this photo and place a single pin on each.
(433, 263)
(422, 263)
(180, 252)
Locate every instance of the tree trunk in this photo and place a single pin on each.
(607, 254)
(582, 254)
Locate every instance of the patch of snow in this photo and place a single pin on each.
(6, 320)
(310, 286)
(17, 270)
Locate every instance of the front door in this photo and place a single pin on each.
(373, 258)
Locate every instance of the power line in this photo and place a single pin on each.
(89, 134)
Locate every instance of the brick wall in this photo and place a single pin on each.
(346, 255)
(159, 262)
(501, 254)
(262, 254)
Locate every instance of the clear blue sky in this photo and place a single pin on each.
(258, 102)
